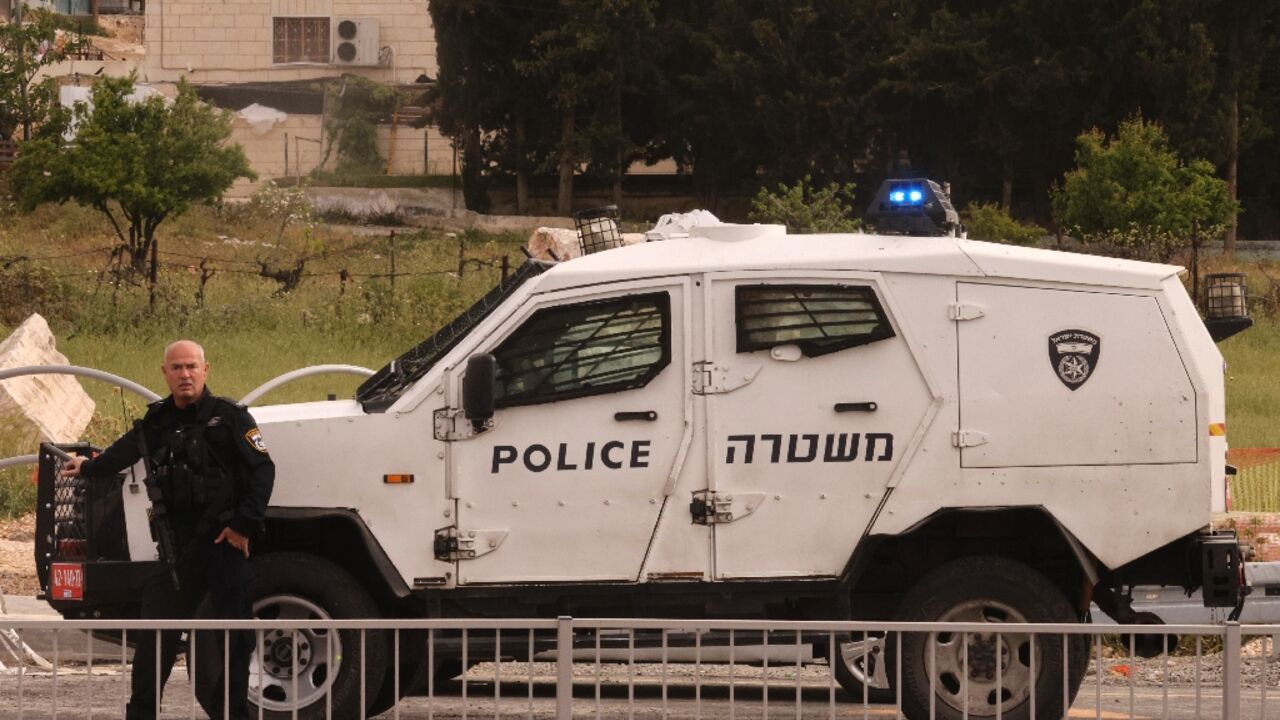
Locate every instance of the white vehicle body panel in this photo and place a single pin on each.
(1135, 407)
(333, 455)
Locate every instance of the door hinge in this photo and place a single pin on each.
(712, 379)
(965, 311)
(451, 424)
(710, 508)
(968, 438)
(453, 544)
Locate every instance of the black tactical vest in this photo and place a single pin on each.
(196, 485)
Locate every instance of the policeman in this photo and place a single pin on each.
(216, 479)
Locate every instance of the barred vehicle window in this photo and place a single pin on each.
(300, 39)
(586, 349)
(820, 319)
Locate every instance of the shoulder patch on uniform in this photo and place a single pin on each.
(254, 438)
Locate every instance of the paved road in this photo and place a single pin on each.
(80, 695)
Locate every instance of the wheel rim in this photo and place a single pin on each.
(863, 658)
(273, 684)
(990, 654)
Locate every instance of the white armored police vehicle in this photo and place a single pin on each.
(734, 422)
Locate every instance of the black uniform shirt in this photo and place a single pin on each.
(231, 434)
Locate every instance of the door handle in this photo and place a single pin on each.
(645, 415)
(856, 407)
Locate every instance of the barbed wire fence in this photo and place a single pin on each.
(287, 271)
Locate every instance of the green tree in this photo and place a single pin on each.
(137, 161)
(25, 48)
(1134, 195)
(495, 113)
(589, 62)
(803, 208)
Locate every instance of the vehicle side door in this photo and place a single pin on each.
(568, 482)
(814, 399)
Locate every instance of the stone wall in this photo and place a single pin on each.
(266, 150)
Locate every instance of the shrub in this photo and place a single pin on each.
(986, 221)
(804, 208)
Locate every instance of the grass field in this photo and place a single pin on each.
(345, 309)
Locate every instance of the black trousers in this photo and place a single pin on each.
(220, 573)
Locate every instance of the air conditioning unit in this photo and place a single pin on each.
(355, 41)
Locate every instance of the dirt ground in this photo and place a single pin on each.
(17, 556)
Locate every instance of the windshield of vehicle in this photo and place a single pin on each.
(386, 386)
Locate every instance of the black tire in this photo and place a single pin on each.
(300, 586)
(995, 590)
(863, 657)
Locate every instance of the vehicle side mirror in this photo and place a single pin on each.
(478, 388)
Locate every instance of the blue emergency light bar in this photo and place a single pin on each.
(912, 207)
(906, 195)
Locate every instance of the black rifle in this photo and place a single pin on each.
(158, 515)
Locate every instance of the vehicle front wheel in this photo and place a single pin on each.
(982, 674)
(312, 669)
(861, 666)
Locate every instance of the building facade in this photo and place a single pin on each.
(269, 53)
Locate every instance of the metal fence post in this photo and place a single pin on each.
(564, 667)
(1231, 672)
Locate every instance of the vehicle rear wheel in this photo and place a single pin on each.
(313, 669)
(862, 665)
(976, 674)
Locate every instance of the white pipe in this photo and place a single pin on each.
(19, 461)
(82, 371)
(288, 377)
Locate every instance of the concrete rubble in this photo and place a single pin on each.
(36, 408)
(565, 243)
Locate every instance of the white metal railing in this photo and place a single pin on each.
(367, 664)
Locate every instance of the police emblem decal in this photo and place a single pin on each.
(1074, 356)
(254, 438)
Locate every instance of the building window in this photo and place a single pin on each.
(301, 39)
(820, 319)
(591, 348)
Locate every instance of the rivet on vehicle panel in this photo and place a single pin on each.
(493, 544)
(440, 455)
(653, 501)
(729, 498)
(606, 502)
(470, 505)
(440, 391)
(777, 497)
(447, 513)
(560, 503)
(823, 496)
(471, 534)
(515, 504)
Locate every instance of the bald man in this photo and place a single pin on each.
(216, 478)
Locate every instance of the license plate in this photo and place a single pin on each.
(66, 581)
